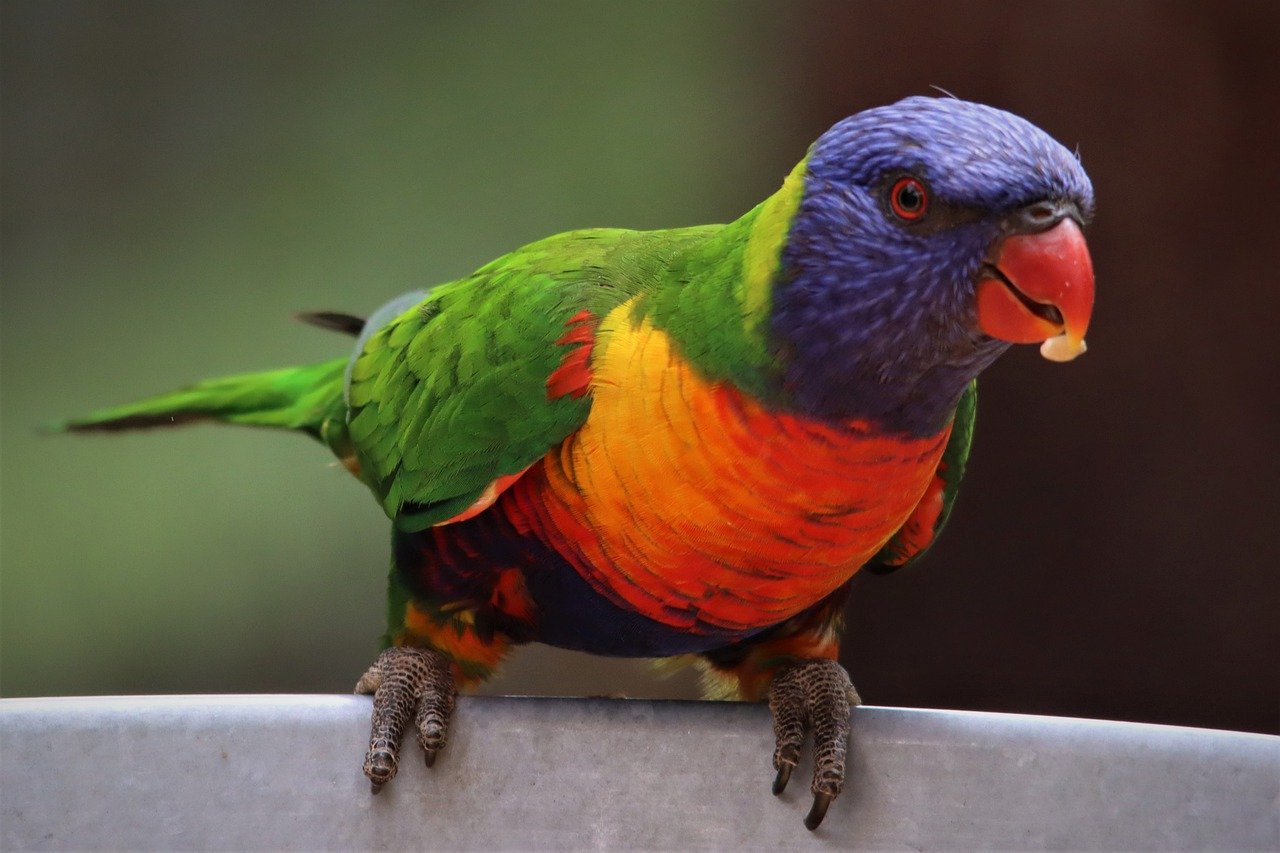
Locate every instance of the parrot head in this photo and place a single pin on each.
(930, 235)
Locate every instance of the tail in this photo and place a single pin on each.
(297, 398)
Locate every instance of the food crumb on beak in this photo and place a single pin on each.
(1062, 348)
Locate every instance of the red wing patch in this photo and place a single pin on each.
(573, 376)
(917, 532)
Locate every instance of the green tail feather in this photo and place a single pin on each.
(297, 398)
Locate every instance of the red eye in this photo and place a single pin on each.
(908, 199)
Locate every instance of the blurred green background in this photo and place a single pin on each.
(177, 178)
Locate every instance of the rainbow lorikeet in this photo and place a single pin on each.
(686, 442)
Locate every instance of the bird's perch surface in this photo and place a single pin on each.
(281, 772)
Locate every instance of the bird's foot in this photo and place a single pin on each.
(406, 682)
(815, 696)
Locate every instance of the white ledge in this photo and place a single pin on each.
(283, 772)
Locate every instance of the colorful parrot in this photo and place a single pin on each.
(686, 442)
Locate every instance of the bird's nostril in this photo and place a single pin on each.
(1038, 217)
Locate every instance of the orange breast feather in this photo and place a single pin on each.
(689, 503)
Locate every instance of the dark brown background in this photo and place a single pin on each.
(178, 178)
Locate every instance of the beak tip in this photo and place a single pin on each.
(1063, 348)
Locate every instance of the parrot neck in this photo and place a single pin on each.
(904, 394)
(715, 302)
(752, 304)
(905, 374)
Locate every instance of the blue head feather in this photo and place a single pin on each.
(874, 318)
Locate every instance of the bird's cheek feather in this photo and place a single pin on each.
(1039, 289)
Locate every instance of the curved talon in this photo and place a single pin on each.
(780, 781)
(375, 787)
(820, 804)
(429, 756)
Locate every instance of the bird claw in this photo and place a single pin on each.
(818, 812)
(406, 682)
(781, 780)
(813, 695)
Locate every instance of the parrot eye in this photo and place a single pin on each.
(908, 199)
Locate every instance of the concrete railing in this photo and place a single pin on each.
(283, 772)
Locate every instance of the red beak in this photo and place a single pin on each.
(1040, 288)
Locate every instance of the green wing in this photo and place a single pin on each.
(453, 393)
(915, 537)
